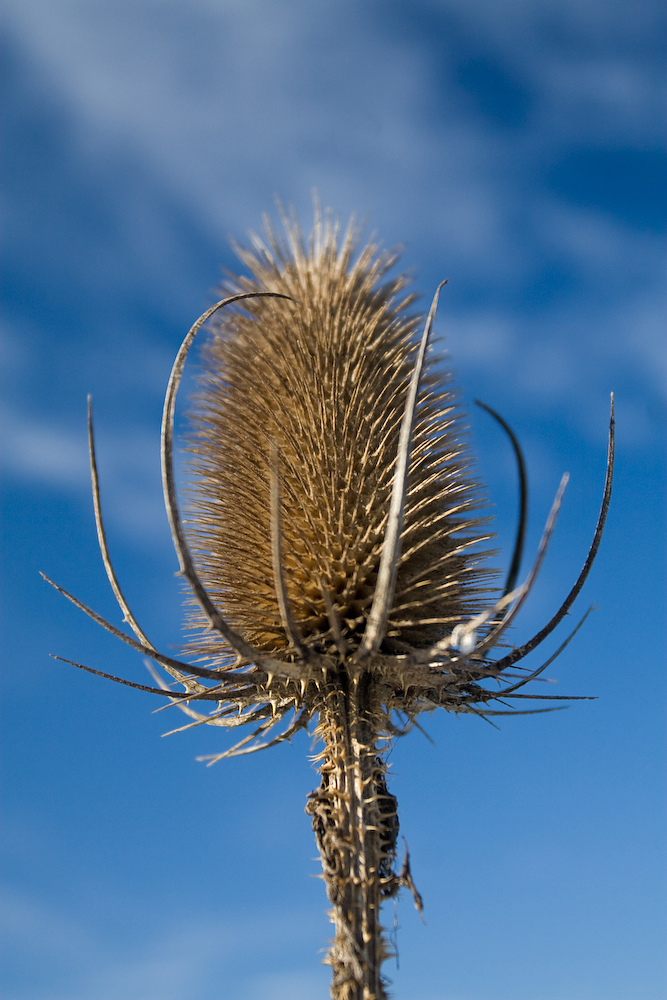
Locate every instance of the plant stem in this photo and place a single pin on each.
(355, 823)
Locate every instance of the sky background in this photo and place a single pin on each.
(514, 148)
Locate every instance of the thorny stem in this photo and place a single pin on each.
(356, 826)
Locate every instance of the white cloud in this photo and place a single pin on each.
(262, 98)
(227, 104)
(81, 959)
(24, 921)
(42, 451)
(481, 339)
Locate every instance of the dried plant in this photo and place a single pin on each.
(332, 551)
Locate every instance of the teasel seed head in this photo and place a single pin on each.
(335, 521)
(333, 549)
(322, 378)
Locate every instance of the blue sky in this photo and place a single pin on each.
(516, 149)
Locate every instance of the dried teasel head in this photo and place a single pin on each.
(332, 549)
(316, 383)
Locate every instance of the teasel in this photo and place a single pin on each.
(332, 550)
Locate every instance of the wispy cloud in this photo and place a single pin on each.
(390, 111)
(43, 452)
(36, 451)
(255, 99)
(168, 960)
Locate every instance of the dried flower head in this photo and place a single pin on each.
(332, 549)
(319, 379)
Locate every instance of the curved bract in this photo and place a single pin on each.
(332, 548)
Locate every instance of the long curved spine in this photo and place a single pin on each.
(540, 636)
(391, 548)
(522, 523)
(215, 619)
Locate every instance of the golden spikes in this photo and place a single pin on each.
(304, 400)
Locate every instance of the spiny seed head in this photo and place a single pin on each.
(334, 524)
(323, 380)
